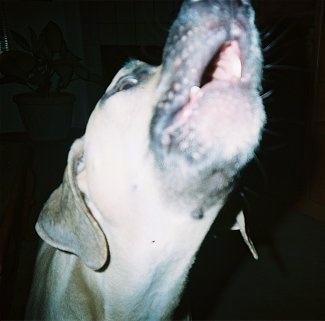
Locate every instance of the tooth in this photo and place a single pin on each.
(195, 93)
(236, 67)
(194, 90)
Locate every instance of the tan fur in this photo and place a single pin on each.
(121, 232)
(117, 197)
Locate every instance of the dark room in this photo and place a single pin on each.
(162, 160)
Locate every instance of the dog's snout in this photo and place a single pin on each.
(231, 8)
(222, 2)
(212, 52)
(237, 2)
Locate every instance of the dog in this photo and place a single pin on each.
(142, 187)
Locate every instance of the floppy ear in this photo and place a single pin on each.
(241, 226)
(66, 222)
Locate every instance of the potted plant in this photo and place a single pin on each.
(46, 66)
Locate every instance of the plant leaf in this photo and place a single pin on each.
(37, 79)
(71, 57)
(81, 71)
(65, 73)
(34, 40)
(21, 41)
(54, 37)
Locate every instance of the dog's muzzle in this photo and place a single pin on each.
(210, 81)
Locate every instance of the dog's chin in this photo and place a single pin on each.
(221, 128)
(211, 139)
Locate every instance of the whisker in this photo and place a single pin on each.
(271, 132)
(246, 206)
(284, 47)
(250, 191)
(274, 147)
(286, 68)
(274, 42)
(269, 30)
(261, 170)
(279, 61)
(267, 94)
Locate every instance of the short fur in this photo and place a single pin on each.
(158, 159)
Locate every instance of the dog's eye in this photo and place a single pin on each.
(126, 83)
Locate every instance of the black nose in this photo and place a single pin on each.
(232, 5)
(237, 2)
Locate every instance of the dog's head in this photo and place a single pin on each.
(168, 140)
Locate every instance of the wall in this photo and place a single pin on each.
(87, 26)
(36, 14)
(122, 23)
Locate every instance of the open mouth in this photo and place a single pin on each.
(209, 83)
(224, 66)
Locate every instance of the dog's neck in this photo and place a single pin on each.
(149, 263)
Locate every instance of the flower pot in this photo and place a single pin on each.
(47, 117)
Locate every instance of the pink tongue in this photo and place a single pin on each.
(228, 65)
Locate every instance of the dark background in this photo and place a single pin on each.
(281, 191)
